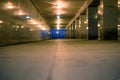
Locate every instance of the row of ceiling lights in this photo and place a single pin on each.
(19, 12)
(11, 6)
(59, 6)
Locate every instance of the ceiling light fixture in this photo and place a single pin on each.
(21, 12)
(27, 17)
(58, 17)
(59, 6)
(22, 26)
(44, 29)
(9, 5)
(58, 13)
(1, 21)
(58, 21)
(31, 21)
(57, 32)
(58, 28)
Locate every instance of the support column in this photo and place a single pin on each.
(83, 28)
(92, 23)
(67, 33)
(74, 30)
(109, 19)
(71, 31)
(77, 28)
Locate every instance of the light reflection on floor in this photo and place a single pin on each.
(61, 60)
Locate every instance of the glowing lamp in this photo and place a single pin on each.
(57, 32)
(59, 6)
(10, 7)
(58, 28)
(27, 17)
(44, 29)
(87, 28)
(20, 13)
(118, 25)
(58, 17)
(58, 13)
(22, 26)
(1, 21)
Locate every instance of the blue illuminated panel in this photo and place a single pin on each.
(58, 34)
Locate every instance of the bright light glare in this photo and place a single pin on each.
(118, 2)
(57, 32)
(59, 6)
(22, 26)
(118, 25)
(17, 26)
(58, 28)
(58, 21)
(87, 28)
(98, 25)
(44, 29)
(118, 28)
(27, 17)
(32, 22)
(86, 21)
(10, 7)
(20, 12)
(1, 21)
(58, 17)
(58, 13)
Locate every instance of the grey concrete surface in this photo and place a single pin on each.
(61, 60)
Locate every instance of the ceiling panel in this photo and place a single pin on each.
(49, 10)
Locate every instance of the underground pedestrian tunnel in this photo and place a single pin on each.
(59, 39)
(34, 20)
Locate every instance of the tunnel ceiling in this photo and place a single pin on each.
(66, 9)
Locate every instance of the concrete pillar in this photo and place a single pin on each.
(92, 23)
(74, 30)
(109, 19)
(83, 29)
(77, 28)
(71, 31)
(68, 32)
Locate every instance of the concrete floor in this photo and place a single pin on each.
(61, 60)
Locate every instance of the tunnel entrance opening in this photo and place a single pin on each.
(58, 34)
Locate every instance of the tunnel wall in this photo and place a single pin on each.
(15, 27)
(10, 34)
